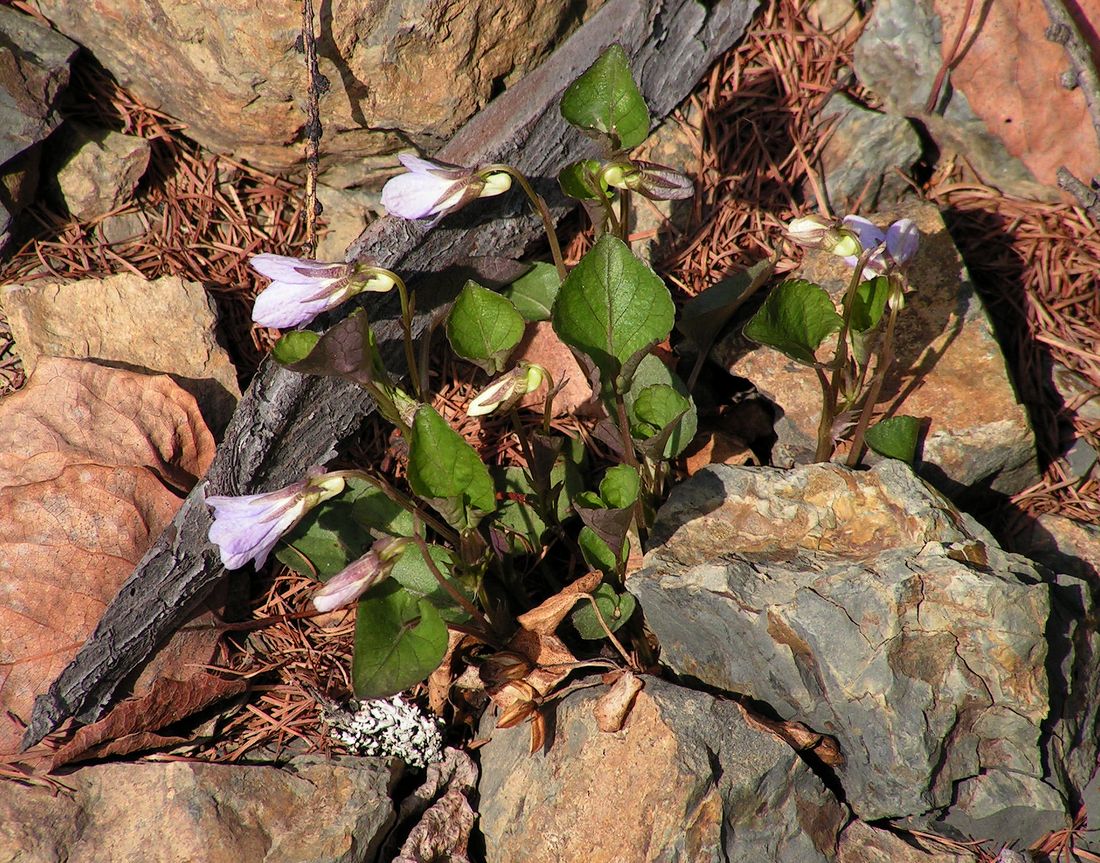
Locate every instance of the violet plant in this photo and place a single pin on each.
(457, 544)
(798, 317)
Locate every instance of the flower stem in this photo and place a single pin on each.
(839, 364)
(543, 211)
(885, 360)
(452, 591)
(406, 327)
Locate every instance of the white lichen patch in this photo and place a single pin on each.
(386, 727)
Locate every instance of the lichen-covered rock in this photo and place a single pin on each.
(398, 70)
(314, 811)
(948, 370)
(686, 779)
(866, 607)
(864, 153)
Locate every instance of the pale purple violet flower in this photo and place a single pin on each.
(901, 241)
(431, 190)
(248, 527)
(301, 289)
(360, 575)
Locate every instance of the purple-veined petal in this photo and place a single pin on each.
(902, 240)
(350, 583)
(247, 527)
(299, 271)
(441, 170)
(282, 305)
(417, 196)
(870, 234)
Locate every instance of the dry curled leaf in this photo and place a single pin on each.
(128, 728)
(444, 826)
(85, 452)
(798, 736)
(546, 617)
(612, 708)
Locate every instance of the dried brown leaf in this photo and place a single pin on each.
(78, 412)
(546, 617)
(84, 454)
(612, 708)
(798, 736)
(542, 346)
(128, 727)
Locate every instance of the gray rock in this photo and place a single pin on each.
(313, 811)
(686, 779)
(102, 171)
(865, 606)
(897, 57)
(862, 153)
(34, 69)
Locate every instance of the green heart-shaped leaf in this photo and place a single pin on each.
(484, 327)
(795, 318)
(704, 315)
(895, 437)
(399, 640)
(611, 306)
(620, 486)
(448, 472)
(615, 609)
(534, 292)
(605, 99)
(412, 572)
(597, 553)
(868, 303)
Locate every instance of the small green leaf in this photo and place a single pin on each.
(577, 180)
(399, 640)
(447, 471)
(620, 486)
(795, 318)
(895, 437)
(533, 293)
(484, 327)
(869, 303)
(294, 347)
(332, 535)
(615, 609)
(412, 573)
(521, 525)
(605, 99)
(597, 553)
(658, 406)
(611, 306)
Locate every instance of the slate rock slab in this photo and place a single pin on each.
(686, 779)
(865, 606)
(313, 811)
(949, 372)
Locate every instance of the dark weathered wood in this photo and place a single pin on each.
(287, 422)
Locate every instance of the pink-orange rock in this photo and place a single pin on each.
(398, 70)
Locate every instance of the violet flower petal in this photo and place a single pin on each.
(870, 234)
(298, 271)
(902, 240)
